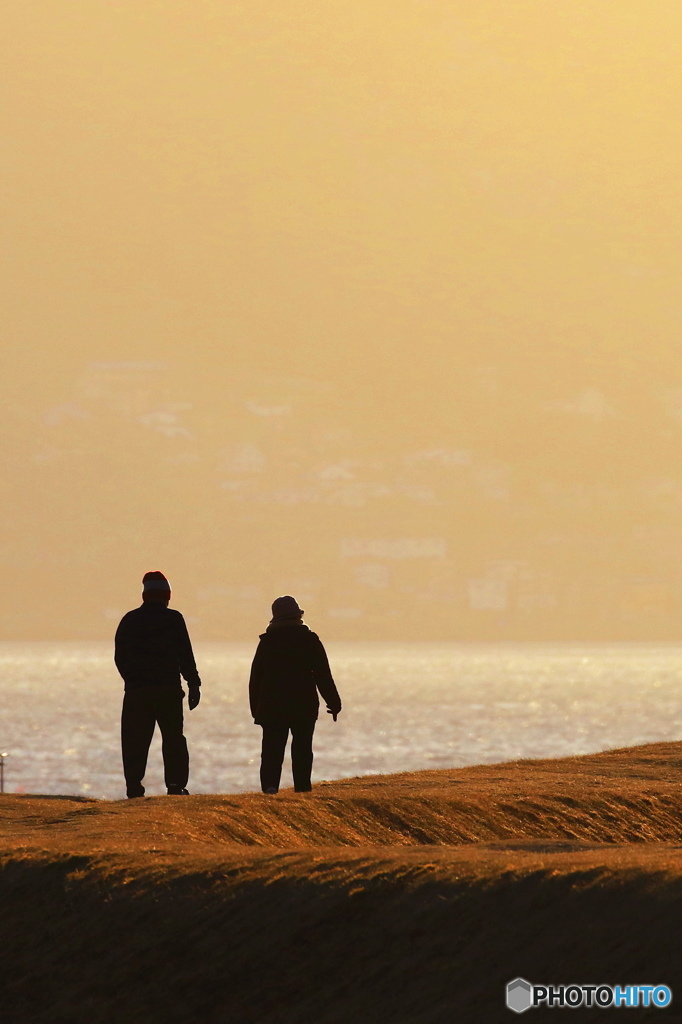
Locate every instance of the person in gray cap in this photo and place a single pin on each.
(152, 650)
(289, 667)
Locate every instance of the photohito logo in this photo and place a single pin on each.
(522, 996)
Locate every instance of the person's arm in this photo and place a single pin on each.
(122, 647)
(187, 664)
(255, 679)
(322, 674)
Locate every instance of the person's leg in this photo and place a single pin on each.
(137, 728)
(272, 754)
(174, 745)
(302, 755)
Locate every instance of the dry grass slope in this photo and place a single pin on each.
(408, 898)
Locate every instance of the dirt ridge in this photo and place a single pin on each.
(409, 899)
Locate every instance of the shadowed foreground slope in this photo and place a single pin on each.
(408, 898)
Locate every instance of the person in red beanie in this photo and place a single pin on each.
(152, 651)
(289, 667)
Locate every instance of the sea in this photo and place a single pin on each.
(406, 707)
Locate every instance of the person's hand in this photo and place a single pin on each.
(334, 714)
(193, 697)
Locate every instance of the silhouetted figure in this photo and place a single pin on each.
(152, 650)
(289, 667)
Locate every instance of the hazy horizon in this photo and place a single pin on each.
(372, 303)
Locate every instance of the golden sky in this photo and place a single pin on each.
(284, 277)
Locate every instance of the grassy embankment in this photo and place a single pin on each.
(409, 899)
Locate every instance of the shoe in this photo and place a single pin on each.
(133, 794)
(271, 790)
(177, 791)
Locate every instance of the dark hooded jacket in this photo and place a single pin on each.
(289, 667)
(152, 648)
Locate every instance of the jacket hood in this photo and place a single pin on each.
(298, 627)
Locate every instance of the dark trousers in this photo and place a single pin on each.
(142, 709)
(275, 738)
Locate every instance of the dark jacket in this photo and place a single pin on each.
(152, 648)
(289, 667)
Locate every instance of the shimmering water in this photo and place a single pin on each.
(406, 707)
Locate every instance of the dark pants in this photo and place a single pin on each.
(275, 738)
(142, 709)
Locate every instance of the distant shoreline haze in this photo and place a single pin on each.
(375, 304)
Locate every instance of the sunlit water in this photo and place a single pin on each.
(406, 707)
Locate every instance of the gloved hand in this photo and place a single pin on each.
(193, 697)
(334, 713)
